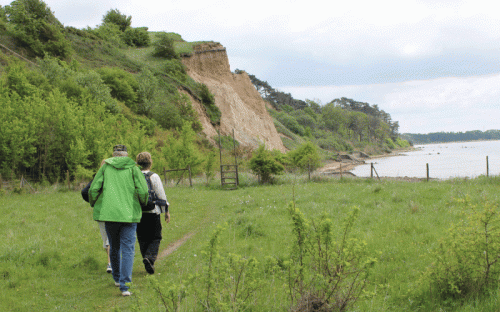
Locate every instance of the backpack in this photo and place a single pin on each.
(85, 191)
(153, 199)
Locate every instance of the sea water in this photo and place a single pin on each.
(445, 161)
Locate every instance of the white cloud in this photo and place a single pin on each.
(360, 44)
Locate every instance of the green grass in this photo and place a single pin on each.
(51, 256)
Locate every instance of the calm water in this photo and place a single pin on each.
(447, 160)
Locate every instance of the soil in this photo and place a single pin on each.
(173, 246)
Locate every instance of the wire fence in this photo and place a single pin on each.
(428, 170)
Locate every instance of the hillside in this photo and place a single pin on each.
(70, 94)
(241, 105)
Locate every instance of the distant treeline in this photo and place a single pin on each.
(340, 125)
(440, 137)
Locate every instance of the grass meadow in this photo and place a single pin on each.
(51, 255)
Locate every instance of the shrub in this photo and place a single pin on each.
(290, 122)
(265, 165)
(123, 85)
(305, 156)
(390, 143)
(174, 68)
(110, 33)
(164, 47)
(182, 152)
(114, 16)
(37, 29)
(136, 37)
(324, 273)
(208, 100)
(467, 260)
(97, 89)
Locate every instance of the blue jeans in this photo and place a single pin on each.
(121, 251)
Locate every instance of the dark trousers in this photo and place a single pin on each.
(149, 235)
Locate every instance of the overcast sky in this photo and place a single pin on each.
(433, 65)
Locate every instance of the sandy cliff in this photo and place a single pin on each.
(241, 105)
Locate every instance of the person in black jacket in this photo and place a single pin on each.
(149, 229)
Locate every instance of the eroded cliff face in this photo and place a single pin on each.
(241, 105)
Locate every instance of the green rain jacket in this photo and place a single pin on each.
(117, 191)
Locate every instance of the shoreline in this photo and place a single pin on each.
(344, 167)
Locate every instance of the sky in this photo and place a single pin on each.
(432, 65)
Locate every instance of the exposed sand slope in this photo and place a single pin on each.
(242, 107)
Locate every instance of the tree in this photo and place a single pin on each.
(264, 164)
(114, 16)
(182, 151)
(3, 18)
(305, 156)
(334, 117)
(37, 29)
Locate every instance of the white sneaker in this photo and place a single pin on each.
(109, 269)
(126, 293)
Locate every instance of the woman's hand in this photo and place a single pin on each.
(167, 217)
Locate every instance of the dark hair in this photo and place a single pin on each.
(144, 160)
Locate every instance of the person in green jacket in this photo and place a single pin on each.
(116, 194)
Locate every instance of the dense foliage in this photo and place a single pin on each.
(265, 165)
(36, 28)
(91, 91)
(340, 125)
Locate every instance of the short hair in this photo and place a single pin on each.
(144, 160)
(120, 150)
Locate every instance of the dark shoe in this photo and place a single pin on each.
(149, 267)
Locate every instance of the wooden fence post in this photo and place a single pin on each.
(165, 175)
(427, 165)
(67, 178)
(371, 170)
(487, 167)
(340, 170)
(190, 181)
(309, 169)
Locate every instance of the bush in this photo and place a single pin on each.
(114, 16)
(136, 37)
(467, 262)
(97, 89)
(164, 47)
(390, 143)
(305, 156)
(208, 100)
(110, 33)
(264, 164)
(290, 122)
(123, 85)
(324, 273)
(37, 29)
